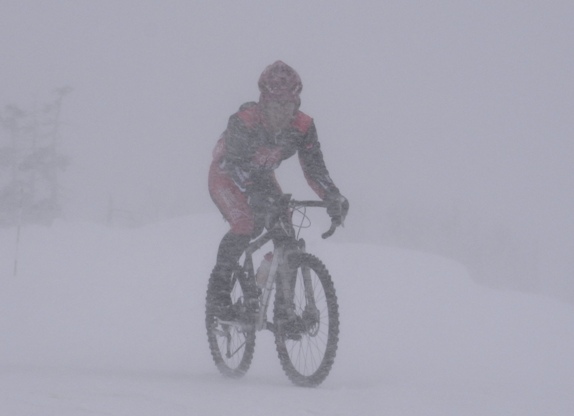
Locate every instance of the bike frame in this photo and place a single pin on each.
(285, 242)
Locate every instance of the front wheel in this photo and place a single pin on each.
(306, 321)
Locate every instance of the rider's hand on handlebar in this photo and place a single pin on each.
(337, 208)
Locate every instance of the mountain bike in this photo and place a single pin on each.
(305, 312)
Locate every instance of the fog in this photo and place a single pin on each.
(448, 125)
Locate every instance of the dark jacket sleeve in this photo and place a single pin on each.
(237, 151)
(311, 159)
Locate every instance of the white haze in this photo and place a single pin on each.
(447, 124)
(109, 321)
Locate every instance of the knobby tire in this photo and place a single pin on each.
(307, 361)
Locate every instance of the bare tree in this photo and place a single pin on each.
(30, 163)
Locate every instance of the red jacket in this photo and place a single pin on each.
(248, 153)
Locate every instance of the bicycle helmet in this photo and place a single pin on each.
(280, 82)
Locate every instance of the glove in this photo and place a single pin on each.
(337, 207)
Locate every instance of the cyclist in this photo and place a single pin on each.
(257, 139)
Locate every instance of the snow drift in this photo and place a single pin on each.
(110, 321)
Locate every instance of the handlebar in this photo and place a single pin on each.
(321, 204)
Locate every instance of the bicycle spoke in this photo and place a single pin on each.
(307, 356)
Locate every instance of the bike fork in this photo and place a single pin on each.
(307, 283)
(309, 295)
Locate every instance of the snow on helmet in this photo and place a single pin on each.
(280, 82)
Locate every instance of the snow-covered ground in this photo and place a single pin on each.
(108, 321)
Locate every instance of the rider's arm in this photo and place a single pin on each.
(314, 169)
(238, 151)
(237, 140)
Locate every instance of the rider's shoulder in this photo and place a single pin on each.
(248, 113)
(302, 122)
(250, 105)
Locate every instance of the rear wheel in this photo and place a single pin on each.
(306, 320)
(232, 342)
